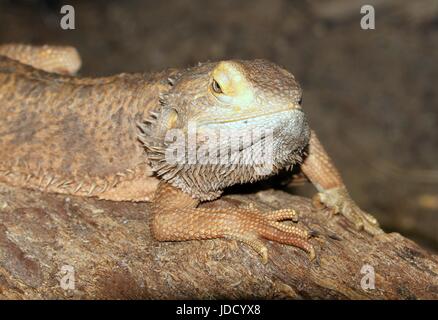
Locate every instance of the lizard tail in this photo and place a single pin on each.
(57, 59)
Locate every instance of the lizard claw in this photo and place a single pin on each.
(251, 225)
(340, 201)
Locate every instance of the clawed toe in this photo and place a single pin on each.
(290, 235)
(293, 230)
(270, 226)
(283, 214)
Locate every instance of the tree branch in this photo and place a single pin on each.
(109, 245)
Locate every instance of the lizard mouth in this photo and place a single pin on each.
(247, 119)
(286, 130)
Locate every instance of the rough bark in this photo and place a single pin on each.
(109, 245)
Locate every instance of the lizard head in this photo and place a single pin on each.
(226, 122)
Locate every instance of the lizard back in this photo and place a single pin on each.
(75, 135)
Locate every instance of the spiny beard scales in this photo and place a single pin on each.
(204, 178)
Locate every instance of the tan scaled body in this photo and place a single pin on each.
(106, 137)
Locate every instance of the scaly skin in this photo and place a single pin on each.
(76, 135)
(106, 137)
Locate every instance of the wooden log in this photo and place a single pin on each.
(107, 249)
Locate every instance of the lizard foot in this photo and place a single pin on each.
(340, 201)
(247, 225)
(252, 225)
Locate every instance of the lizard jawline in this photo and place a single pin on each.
(206, 181)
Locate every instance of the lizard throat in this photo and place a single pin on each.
(204, 177)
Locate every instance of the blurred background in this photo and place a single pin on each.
(370, 94)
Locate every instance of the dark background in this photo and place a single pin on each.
(370, 94)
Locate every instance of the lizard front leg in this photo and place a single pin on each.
(177, 218)
(320, 170)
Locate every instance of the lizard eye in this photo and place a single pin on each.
(216, 87)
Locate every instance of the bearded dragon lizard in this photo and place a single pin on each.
(106, 138)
